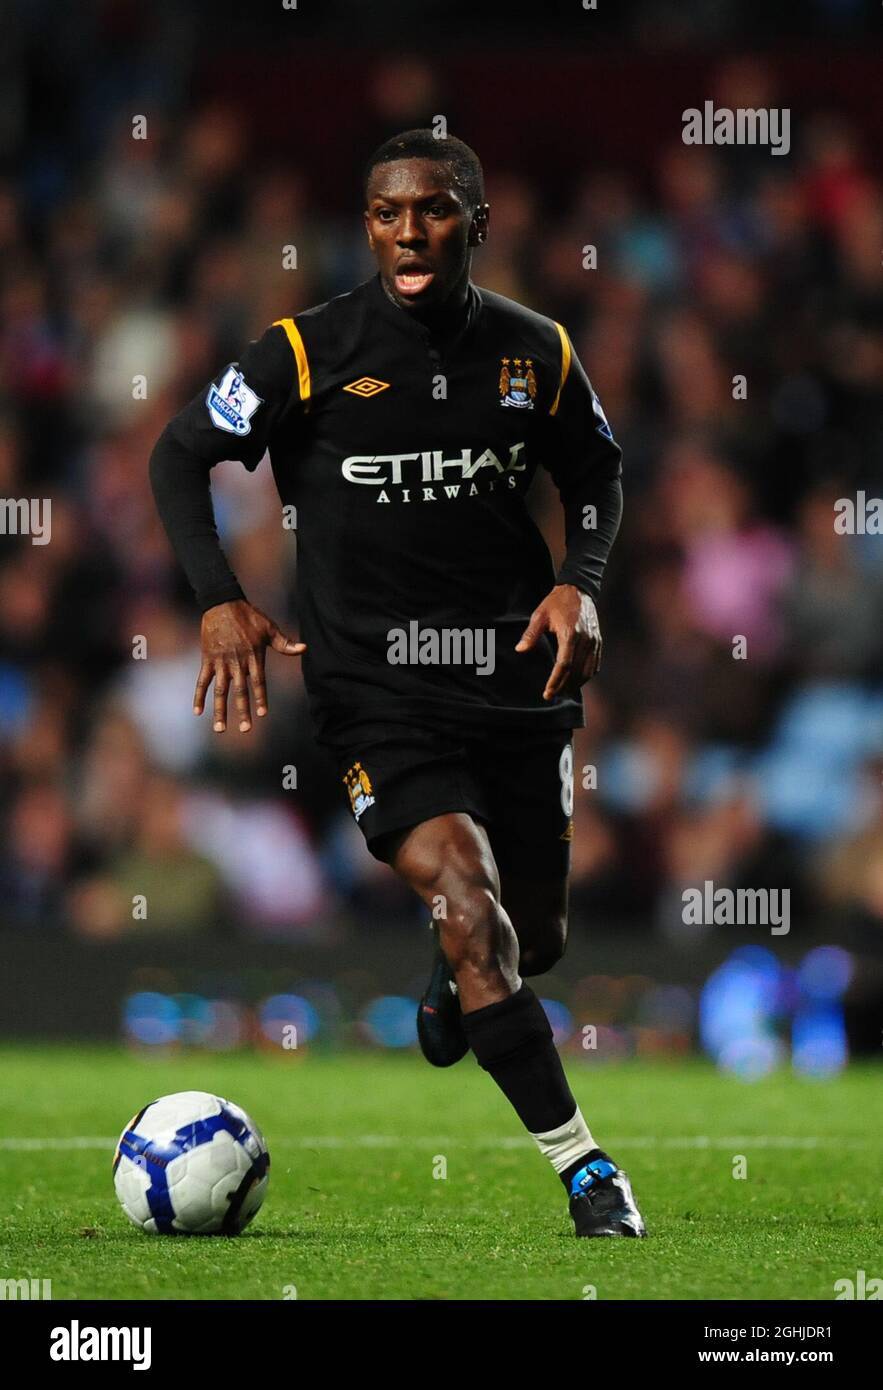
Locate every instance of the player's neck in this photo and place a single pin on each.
(439, 317)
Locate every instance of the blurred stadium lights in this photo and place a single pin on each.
(748, 1000)
(743, 1010)
(819, 1046)
(390, 1021)
(288, 1020)
(630, 1015)
(560, 1019)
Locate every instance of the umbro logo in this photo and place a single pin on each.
(366, 386)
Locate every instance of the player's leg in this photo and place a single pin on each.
(395, 781)
(440, 1028)
(525, 795)
(448, 861)
(537, 909)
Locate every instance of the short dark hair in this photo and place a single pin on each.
(463, 162)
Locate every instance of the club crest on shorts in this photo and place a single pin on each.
(232, 404)
(518, 382)
(358, 784)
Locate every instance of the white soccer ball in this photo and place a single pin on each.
(191, 1164)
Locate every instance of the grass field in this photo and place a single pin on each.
(354, 1211)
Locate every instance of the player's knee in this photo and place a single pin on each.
(473, 932)
(451, 864)
(456, 874)
(546, 951)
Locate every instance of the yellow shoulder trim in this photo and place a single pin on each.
(300, 356)
(565, 366)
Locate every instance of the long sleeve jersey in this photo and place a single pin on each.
(407, 453)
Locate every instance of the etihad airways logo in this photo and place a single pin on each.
(430, 477)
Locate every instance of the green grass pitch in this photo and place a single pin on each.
(355, 1211)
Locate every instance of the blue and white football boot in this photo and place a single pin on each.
(601, 1200)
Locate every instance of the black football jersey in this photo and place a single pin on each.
(407, 454)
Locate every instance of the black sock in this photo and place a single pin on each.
(512, 1041)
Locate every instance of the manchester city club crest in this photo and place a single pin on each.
(518, 383)
(358, 784)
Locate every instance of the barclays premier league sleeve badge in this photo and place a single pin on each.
(602, 426)
(232, 404)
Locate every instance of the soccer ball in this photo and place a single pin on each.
(191, 1164)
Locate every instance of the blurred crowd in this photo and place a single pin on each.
(755, 762)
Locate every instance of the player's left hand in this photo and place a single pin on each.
(571, 615)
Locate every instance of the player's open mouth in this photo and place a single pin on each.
(413, 282)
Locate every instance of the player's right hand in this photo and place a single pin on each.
(234, 638)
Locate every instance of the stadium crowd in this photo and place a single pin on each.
(130, 277)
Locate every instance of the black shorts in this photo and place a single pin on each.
(520, 787)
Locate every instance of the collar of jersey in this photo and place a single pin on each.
(458, 325)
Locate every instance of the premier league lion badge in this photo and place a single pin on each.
(232, 403)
